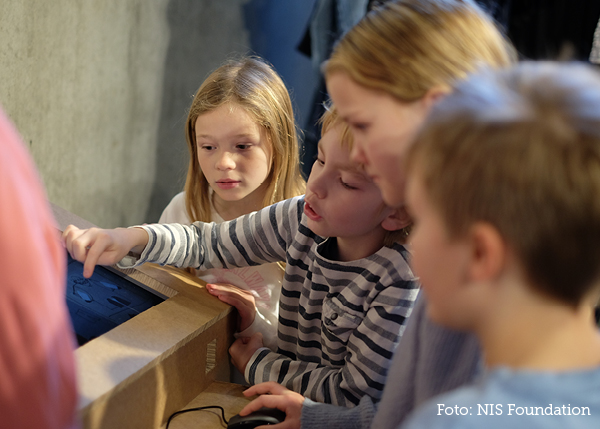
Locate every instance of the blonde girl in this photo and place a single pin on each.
(244, 156)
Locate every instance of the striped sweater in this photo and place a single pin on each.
(339, 322)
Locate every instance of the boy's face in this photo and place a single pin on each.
(341, 200)
(383, 129)
(234, 154)
(439, 261)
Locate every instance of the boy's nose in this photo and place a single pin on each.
(315, 184)
(225, 162)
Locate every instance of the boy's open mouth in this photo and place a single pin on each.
(310, 213)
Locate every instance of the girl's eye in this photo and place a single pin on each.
(243, 146)
(319, 160)
(207, 147)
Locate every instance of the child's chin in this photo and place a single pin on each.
(318, 228)
(436, 316)
(439, 318)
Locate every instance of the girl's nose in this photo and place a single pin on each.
(225, 161)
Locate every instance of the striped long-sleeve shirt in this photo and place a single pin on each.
(339, 322)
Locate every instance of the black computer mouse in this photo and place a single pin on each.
(262, 417)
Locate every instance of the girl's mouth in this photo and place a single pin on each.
(227, 184)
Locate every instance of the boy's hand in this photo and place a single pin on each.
(242, 350)
(241, 299)
(274, 395)
(102, 246)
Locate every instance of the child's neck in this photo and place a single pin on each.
(230, 210)
(540, 334)
(355, 248)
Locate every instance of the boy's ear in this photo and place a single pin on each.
(433, 95)
(397, 219)
(488, 252)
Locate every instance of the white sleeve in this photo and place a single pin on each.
(268, 331)
(175, 212)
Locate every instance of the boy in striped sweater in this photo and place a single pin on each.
(347, 292)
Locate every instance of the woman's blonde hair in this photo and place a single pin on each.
(252, 84)
(407, 47)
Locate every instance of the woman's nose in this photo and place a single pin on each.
(358, 154)
(225, 161)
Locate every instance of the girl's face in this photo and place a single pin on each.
(383, 128)
(235, 157)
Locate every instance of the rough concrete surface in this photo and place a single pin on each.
(99, 91)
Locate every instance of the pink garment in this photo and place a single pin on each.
(37, 367)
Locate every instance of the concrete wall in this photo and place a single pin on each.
(98, 90)
(276, 29)
(203, 34)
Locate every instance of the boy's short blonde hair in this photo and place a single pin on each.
(520, 150)
(407, 47)
(330, 119)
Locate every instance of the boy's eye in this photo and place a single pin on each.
(346, 185)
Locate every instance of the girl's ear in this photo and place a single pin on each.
(396, 220)
(488, 252)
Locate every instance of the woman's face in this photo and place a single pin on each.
(383, 128)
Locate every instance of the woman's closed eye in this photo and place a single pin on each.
(359, 126)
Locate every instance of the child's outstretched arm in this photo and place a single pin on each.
(102, 246)
(253, 239)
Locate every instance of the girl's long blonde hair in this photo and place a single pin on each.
(252, 84)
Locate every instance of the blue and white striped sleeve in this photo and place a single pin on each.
(252, 239)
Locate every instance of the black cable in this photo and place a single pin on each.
(197, 409)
